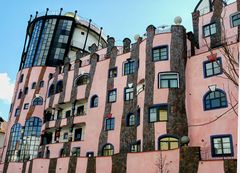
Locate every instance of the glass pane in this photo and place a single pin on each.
(163, 115)
(215, 103)
(164, 145)
(173, 83)
(164, 84)
(173, 145)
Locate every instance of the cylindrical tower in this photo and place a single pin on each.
(50, 40)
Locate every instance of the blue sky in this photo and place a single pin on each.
(119, 19)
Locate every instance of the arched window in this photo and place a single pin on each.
(37, 101)
(108, 150)
(41, 84)
(31, 139)
(167, 142)
(51, 90)
(26, 91)
(215, 99)
(20, 94)
(82, 80)
(59, 87)
(94, 101)
(34, 85)
(14, 143)
(131, 120)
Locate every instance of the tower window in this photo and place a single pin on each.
(34, 85)
(112, 72)
(38, 101)
(235, 19)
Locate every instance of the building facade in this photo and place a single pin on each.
(164, 103)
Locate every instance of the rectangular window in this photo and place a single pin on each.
(112, 96)
(17, 112)
(78, 134)
(209, 29)
(68, 113)
(26, 106)
(235, 20)
(80, 110)
(168, 80)
(109, 124)
(160, 53)
(65, 136)
(158, 113)
(76, 151)
(128, 94)
(129, 67)
(112, 72)
(212, 68)
(222, 145)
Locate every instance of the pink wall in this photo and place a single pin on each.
(210, 166)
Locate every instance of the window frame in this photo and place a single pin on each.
(129, 72)
(114, 68)
(204, 100)
(160, 47)
(137, 144)
(168, 136)
(214, 74)
(109, 95)
(111, 124)
(214, 154)
(82, 77)
(209, 27)
(168, 73)
(158, 107)
(131, 94)
(231, 19)
(26, 106)
(93, 100)
(37, 103)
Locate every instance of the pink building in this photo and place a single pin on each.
(164, 103)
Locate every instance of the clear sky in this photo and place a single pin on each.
(119, 19)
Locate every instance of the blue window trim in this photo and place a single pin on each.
(203, 34)
(136, 64)
(204, 68)
(159, 47)
(204, 98)
(167, 136)
(154, 106)
(92, 101)
(112, 119)
(212, 146)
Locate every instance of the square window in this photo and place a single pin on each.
(168, 80)
(65, 136)
(136, 147)
(17, 112)
(128, 94)
(209, 30)
(158, 113)
(222, 145)
(68, 113)
(112, 72)
(160, 53)
(112, 96)
(212, 68)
